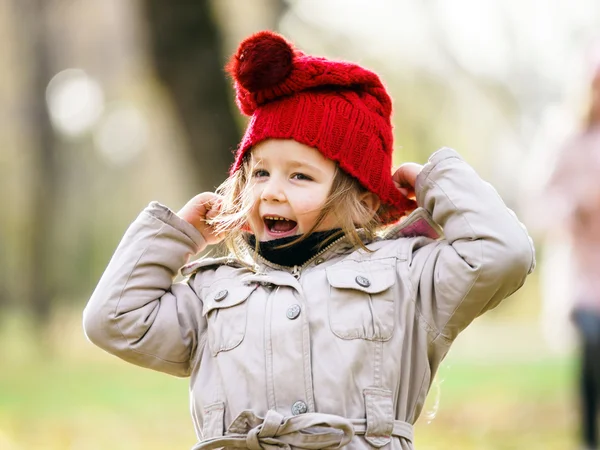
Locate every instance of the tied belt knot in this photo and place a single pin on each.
(310, 431)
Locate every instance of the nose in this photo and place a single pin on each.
(272, 190)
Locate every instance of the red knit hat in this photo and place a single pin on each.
(336, 107)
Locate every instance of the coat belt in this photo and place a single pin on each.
(310, 431)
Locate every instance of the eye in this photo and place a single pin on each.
(260, 173)
(301, 176)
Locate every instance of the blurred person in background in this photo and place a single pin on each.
(572, 196)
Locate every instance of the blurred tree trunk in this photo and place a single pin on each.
(36, 42)
(239, 19)
(185, 44)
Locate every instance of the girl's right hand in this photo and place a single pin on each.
(198, 210)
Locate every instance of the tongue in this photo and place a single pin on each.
(282, 226)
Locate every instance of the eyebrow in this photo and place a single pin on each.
(296, 164)
(292, 164)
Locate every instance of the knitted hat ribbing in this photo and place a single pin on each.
(337, 107)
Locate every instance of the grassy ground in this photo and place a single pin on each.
(69, 395)
(518, 405)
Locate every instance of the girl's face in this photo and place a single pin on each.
(290, 183)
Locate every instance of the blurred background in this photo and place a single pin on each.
(106, 105)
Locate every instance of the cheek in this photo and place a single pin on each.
(254, 193)
(254, 215)
(253, 219)
(310, 202)
(308, 208)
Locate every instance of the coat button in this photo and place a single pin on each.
(362, 281)
(299, 407)
(221, 295)
(319, 261)
(293, 312)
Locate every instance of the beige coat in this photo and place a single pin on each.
(341, 351)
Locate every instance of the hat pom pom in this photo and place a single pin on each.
(262, 61)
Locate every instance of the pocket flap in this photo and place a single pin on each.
(225, 294)
(371, 278)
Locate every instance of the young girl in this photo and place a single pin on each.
(325, 324)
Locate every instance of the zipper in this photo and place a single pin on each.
(296, 270)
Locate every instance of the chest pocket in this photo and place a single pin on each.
(226, 311)
(361, 302)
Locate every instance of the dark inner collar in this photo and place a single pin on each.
(295, 254)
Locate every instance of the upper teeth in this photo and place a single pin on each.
(275, 218)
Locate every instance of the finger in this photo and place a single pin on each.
(212, 213)
(208, 206)
(217, 202)
(399, 177)
(214, 202)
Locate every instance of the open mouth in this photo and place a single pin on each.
(280, 226)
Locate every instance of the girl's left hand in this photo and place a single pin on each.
(199, 210)
(405, 178)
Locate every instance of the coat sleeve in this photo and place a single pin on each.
(136, 311)
(484, 257)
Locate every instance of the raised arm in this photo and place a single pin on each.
(136, 312)
(486, 253)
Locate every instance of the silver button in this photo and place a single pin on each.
(362, 281)
(221, 295)
(299, 407)
(293, 312)
(319, 261)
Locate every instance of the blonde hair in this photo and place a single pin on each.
(343, 204)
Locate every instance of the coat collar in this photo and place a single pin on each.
(418, 223)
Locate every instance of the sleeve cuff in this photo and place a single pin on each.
(166, 215)
(443, 154)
